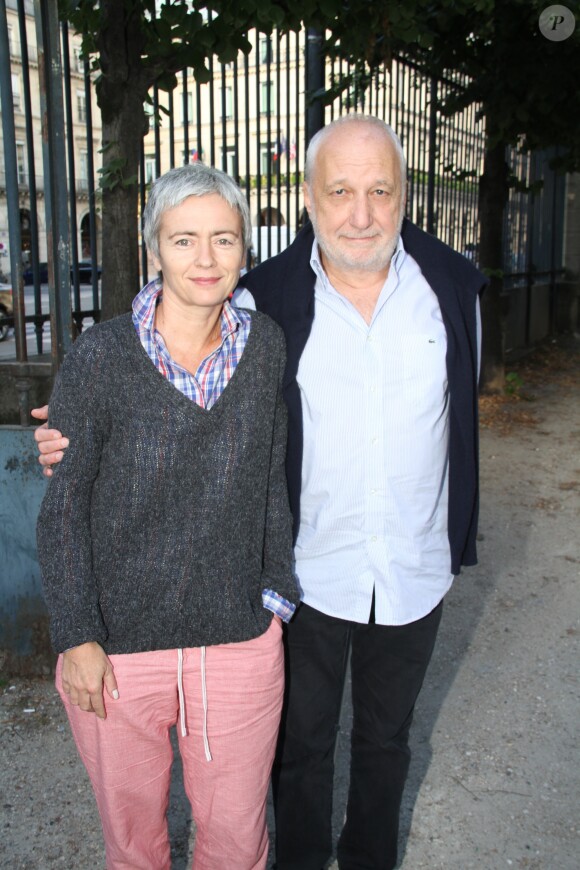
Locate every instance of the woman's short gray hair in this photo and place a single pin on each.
(355, 118)
(194, 179)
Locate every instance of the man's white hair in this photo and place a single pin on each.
(355, 118)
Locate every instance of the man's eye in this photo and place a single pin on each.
(224, 242)
(339, 191)
(183, 243)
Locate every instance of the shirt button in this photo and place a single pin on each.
(374, 441)
(373, 491)
(374, 538)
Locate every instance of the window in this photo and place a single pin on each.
(189, 100)
(11, 46)
(16, 90)
(81, 106)
(150, 170)
(267, 102)
(227, 102)
(21, 163)
(265, 49)
(231, 160)
(83, 179)
(79, 64)
(267, 161)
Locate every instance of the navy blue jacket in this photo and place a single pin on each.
(283, 288)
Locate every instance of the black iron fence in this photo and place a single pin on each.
(253, 119)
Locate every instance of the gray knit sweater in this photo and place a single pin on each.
(164, 521)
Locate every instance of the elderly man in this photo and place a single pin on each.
(165, 540)
(381, 328)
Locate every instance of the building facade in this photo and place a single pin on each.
(83, 144)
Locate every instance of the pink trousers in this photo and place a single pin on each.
(231, 708)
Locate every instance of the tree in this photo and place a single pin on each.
(527, 87)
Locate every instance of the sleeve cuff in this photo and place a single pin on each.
(277, 605)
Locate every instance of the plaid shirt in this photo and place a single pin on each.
(211, 378)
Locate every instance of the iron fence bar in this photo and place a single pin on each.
(186, 119)
(171, 130)
(247, 113)
(315, 76)
(199, 147)
(412, 156)
(67, 79)
(288, 146)
(258, 138)
(156, 131)
(92, 200)
(530, 248)
(236, 120)
(11, 163)
(142, 201)
(397, 124)
(297, 130)
(269, 147)
(553, 286)
(54, 159)
(332, 77)
(211, 109)
(224, 121)
(30, 153)
(280, 139)
(432, 157)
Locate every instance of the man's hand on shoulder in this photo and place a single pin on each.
(50, 441)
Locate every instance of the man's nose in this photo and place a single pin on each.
(361, 214)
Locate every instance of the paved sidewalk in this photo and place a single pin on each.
(494, 780)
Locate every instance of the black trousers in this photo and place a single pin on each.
(388, 664)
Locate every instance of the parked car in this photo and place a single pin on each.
(28, 277)
(6, 309)
(85, 273)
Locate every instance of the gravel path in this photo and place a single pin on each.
(494, 780)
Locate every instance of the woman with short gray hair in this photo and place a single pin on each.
(165, 540)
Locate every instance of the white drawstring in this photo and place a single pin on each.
(180, 692)
(182, 721)
(204, 696)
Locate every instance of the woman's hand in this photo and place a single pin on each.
(85, 670)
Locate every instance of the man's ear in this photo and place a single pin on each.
(306, 195)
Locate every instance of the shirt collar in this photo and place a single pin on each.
(145, 302)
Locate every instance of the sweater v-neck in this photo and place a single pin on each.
(174, 395)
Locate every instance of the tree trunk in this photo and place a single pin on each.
(121, 93)
(493, 195)
(120, 208)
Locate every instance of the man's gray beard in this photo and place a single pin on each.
(377, 262)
